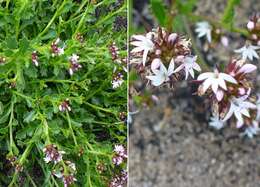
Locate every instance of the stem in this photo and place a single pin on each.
(11, 127)
(80, 8)
(201, 61)
(21, 162)
(171, 16)
(56, 184)
(53, 18)
(23, 96)
(81, 22)
(109, 16)
(46, 129)
(7, 4)
(100, 108)
(71, 129)
(213, 21)
(31, 180)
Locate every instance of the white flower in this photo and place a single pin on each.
(117, 83)
(204, 29)
(161, 74)
(247, 68)
(216, 122)
(248, 51)
(119, 149)
(117, 80)
(252, 130)
(74, 58)
(239, 107)
(189, 64)
(61, 51)
(215, 80)
(144, 44)
(250, 25)
(129, 116)
(224, 40)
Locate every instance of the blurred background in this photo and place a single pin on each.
(171, 144)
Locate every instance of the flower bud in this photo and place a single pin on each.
(172, 38)
(224, 41)
(156, 64)
(250, 25)
(241, 91)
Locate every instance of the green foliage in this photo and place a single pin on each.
(229, 13)
(159, 11)
(30, 95)
(185, 6)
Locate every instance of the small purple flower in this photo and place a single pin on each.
(114, 51)
(52, 154)
(119, 180)
(117, 80)
(64, 106)
(55, 49)
(68, 179)
(120, 155)
(35, 58)
(117, 160)
(74, 64)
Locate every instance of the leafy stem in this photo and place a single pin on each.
(46, 128)
(21, 162)
(100, 108)
(215, 23)
(71, 129)
(11, 126)
(53, 18)
(81, 22)
(201, 61)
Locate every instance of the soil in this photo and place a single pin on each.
(171, 144)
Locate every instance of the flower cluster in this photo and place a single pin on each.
(57, 47)
(80, 37)
(118, 79)
(163, 57)
(249, 50)
(229, 92)
(120, 155)
(14, 163)
(67, 177)
(35, 58)
(253, 27)
(65, 106)
(120, 66)
(119, 180)
(74, 64)
(211, 33)
(52, 154)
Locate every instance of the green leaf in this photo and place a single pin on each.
(229, 13)
(29, 116)
(159, 12)
(1, 108)
(186, 6)
(50, 35)
(23, 45)
(11, 42)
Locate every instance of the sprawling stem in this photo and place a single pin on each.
(11, 126)
(71, 129)
(201, 61)
(21, 162)
(56, 14)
